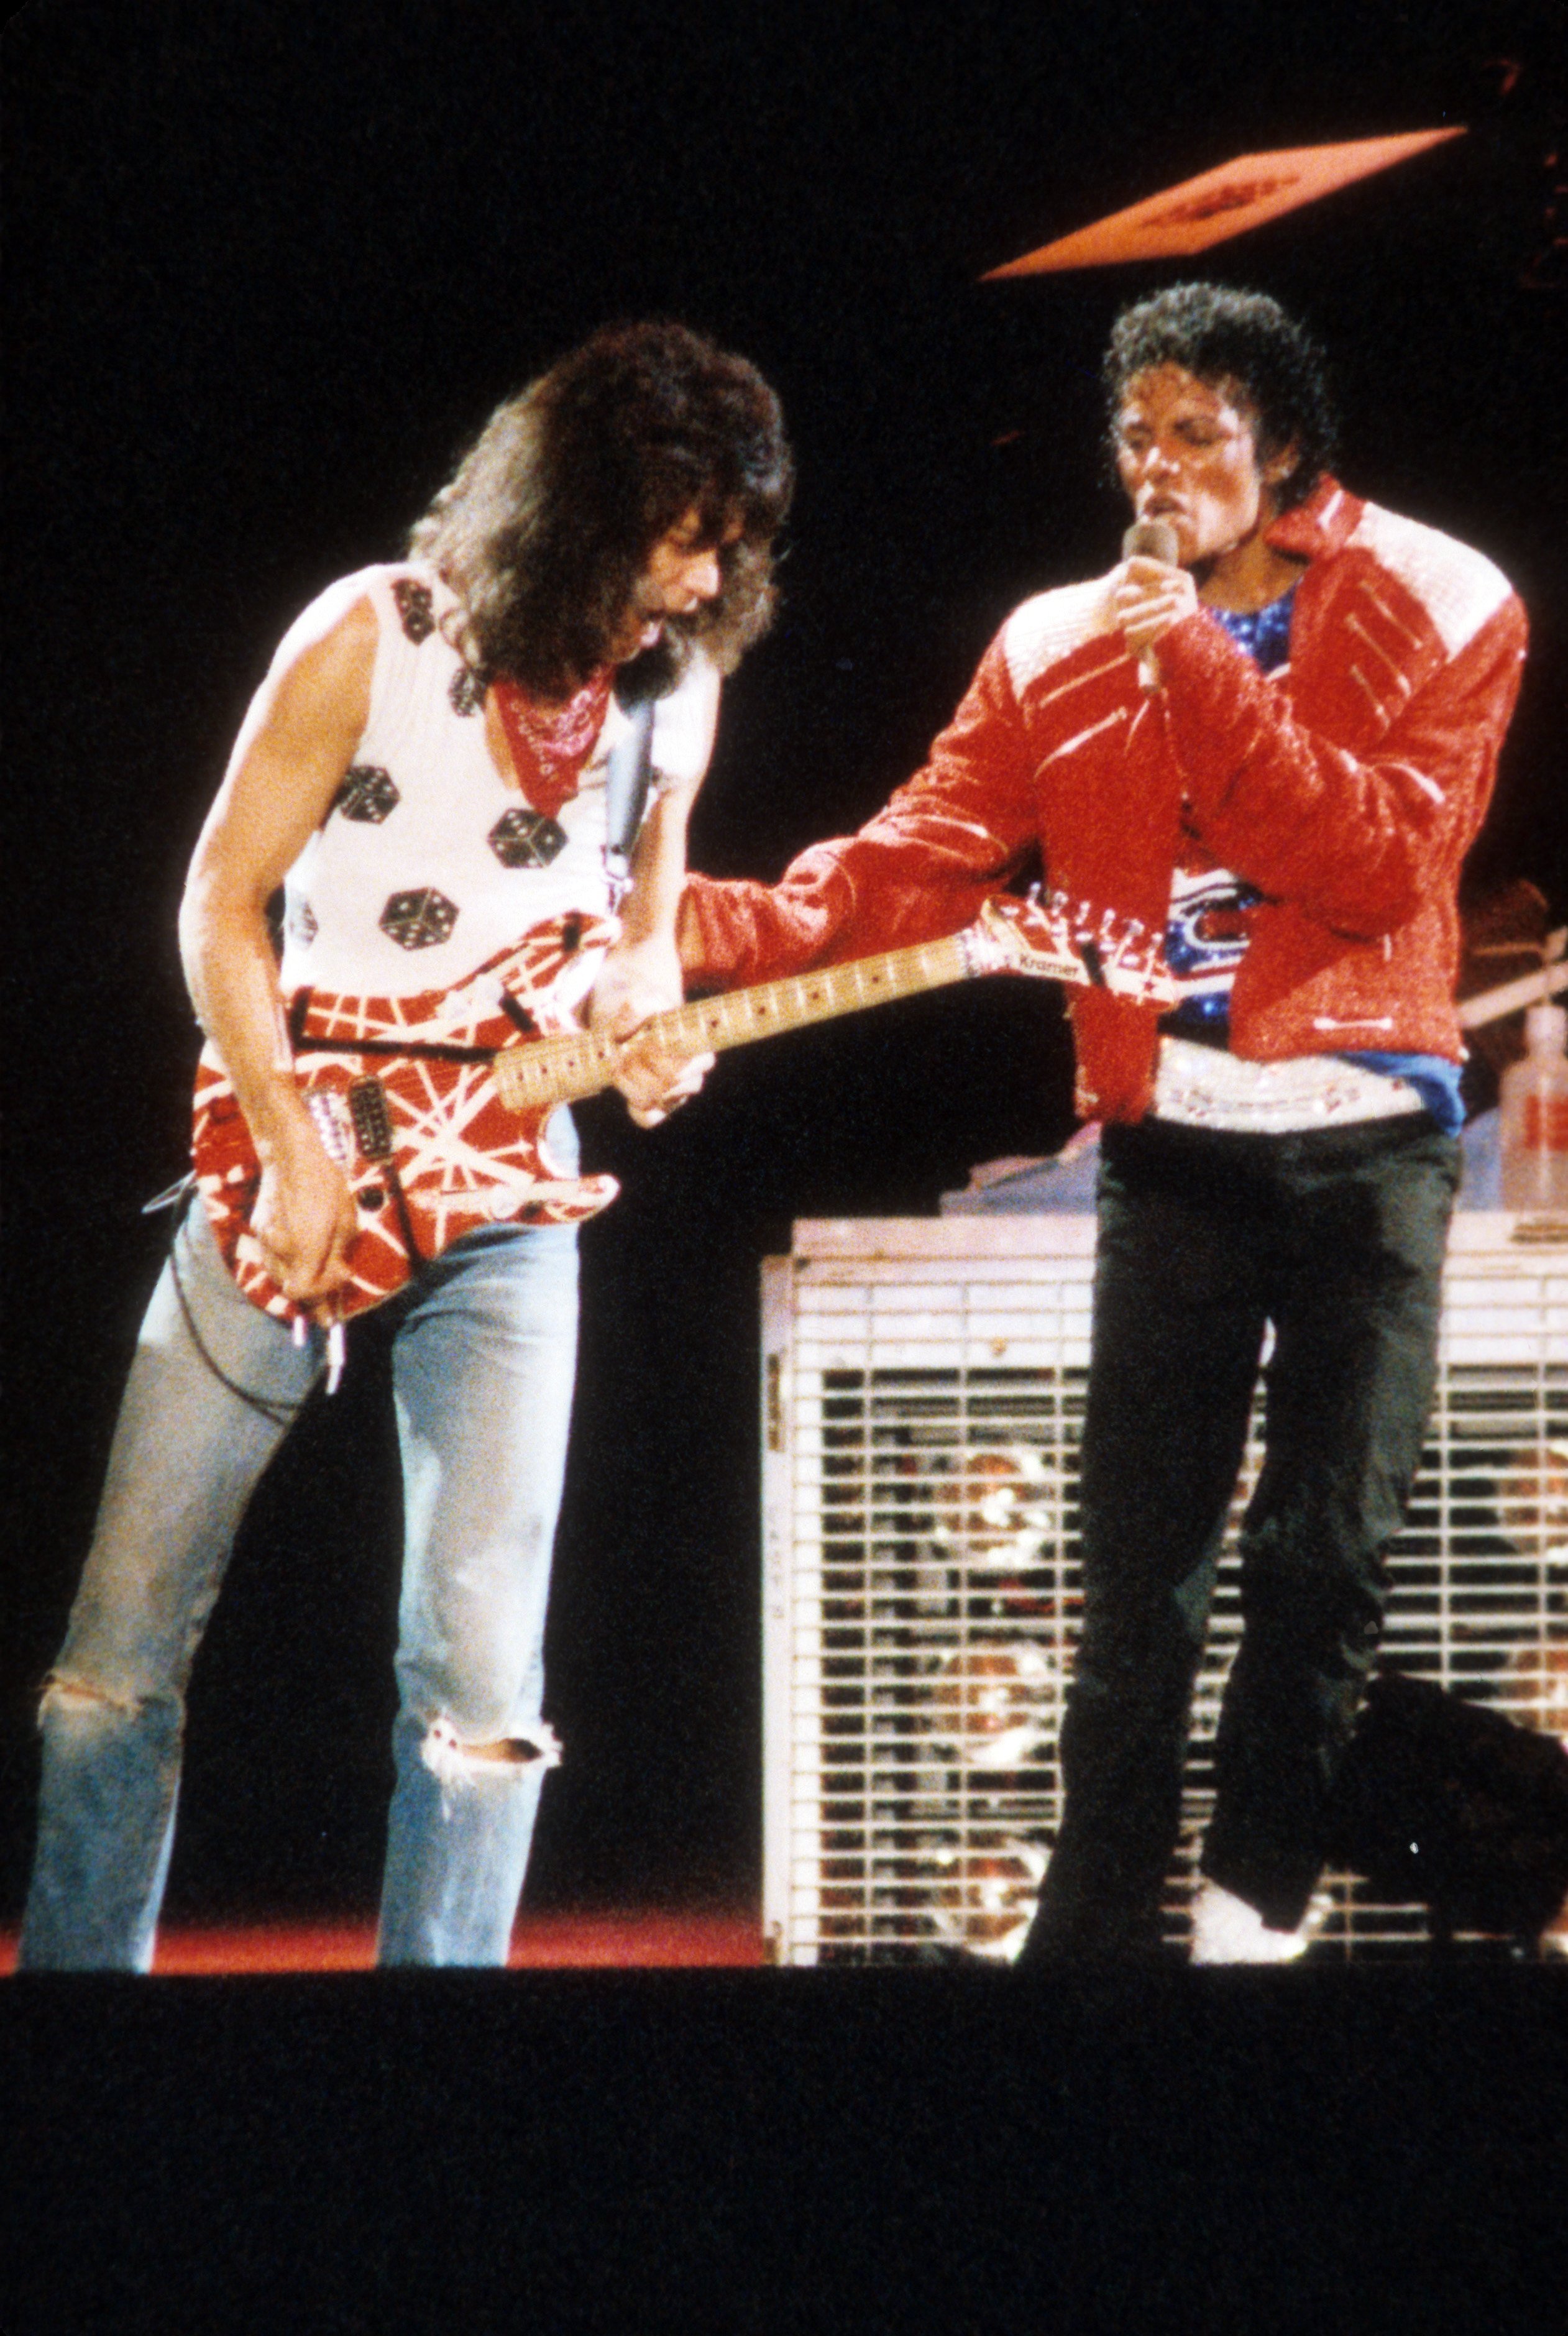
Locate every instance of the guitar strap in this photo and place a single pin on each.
(625, 785)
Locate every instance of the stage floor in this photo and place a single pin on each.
(661, 1940)
(668, 2152)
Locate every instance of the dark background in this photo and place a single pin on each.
(269, 270)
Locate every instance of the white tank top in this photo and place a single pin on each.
(429, 862)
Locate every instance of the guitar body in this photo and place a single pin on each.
(434, 1106)
(401, 1092)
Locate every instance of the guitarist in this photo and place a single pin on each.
(422, 773)
(1271, 734)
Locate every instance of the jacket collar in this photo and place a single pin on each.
(1323, 523)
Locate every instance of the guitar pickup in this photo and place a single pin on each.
(325, 1110)
(372, 1122)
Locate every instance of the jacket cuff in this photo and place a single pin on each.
(731, 932)
(711, 931)
(1199, 653)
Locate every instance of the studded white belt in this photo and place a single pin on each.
(1201, 1086)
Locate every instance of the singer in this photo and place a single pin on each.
(1270, 732)
(423, 771)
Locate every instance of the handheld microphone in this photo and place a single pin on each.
(1151, 538)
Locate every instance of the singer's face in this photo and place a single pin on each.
(1186, 454)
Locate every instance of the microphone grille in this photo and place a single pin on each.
(1151, 538)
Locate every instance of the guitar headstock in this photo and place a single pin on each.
(1054, 942)
(1014, 936)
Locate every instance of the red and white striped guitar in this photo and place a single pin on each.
(434, 1106)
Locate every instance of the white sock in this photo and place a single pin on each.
(1226, 1930)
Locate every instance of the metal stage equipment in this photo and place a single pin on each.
(923, 1387)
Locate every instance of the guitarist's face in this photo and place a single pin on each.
(683, 571)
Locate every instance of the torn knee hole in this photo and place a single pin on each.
(82, 1696)
(446, 1756)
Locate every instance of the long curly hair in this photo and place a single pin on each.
(1244, 338)
(545, 531)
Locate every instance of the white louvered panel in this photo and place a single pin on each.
(920, 1483)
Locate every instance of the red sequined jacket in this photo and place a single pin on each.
(1347, 787)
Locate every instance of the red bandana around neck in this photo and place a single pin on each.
(550, 745)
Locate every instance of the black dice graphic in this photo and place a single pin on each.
(418, 919)
(368, 793)
(466, 691)
(415, 607)
(526, 839)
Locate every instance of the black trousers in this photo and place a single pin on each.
(1335, 1237)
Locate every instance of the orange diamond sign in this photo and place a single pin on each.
(1222, 203)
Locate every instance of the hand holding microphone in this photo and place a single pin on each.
(1154, 594)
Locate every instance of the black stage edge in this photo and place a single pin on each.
(1374, 2150)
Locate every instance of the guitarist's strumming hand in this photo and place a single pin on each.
(640, 979)
(305, 1218)
(297, 741)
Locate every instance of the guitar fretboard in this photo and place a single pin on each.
(566, 1067)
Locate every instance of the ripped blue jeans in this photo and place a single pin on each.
(482, 1366)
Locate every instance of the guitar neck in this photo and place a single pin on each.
(566, 1067)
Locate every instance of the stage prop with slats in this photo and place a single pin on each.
(924, 1389)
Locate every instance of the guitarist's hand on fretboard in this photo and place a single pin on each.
(640, 979)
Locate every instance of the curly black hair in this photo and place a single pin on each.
(545, 529)
(1247, 341)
